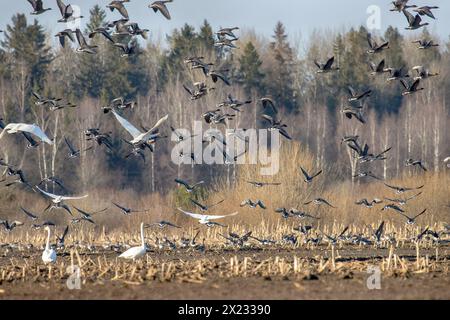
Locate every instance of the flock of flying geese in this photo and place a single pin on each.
(144, 138)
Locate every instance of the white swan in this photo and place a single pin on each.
(59, 199)
(49, 254)
(138, 136)
(205, 219)
(29, 128)
(136, 252)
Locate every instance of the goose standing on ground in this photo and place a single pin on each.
(426, 11)
(119, 6)
(62, 35)
(38, 7)
(161, 7)
(29, 128)
(136, 252)
(327, 67)
(411, 88)
(66, 12)
(138, 136)
(205, 219)
(414, 22)
(49, 254)
(83, 45)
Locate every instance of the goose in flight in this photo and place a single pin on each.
(392, 207)
(412, 162)
(163, 224)
(41, 101)
(20, 177)
(49, 254)
(29, 214)
(60, 240)
(366, 174)
(309, 178)
(411, 89)
(374, 46)
(319, 201)
(104, 31)
(127, 211)
(203, 207)
(200, 90)
(136, 252)
(411, 220)
(127, 49)
(326, 67)
(101, 138)
(378, 68)
(161, 7)
(74, 153)
(86, 216)
(353, 112)
(402, 202)
(28, 128)
(66, 12)
(227, 32)
(414, 22)
(267, 102)
(367, 203)
(62, 35)
(276, 124)
(10, 226)
(397, 74)
(38, 7)
(253, 204)
(263, 184)
(216, 75)
(400, 190)
(426, 11)
(189, 188)
(379, 233)
(206, 219)
(354, 96)
(423, 73)
(425, 44)
(83, 45)
(138, 136)
(180, 137)
(119, 6)
(400, 5)
(135, 30)
(225, 42)
(54, 180)
(301, 214)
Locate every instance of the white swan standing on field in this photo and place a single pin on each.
(136, 252)
(49, 254)
(28, 128)
(138, 136)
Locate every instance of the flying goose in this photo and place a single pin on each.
(216, 75)
(400, 5)
(74, 153)
(136, 252)
(86, 216)
(29, 128)
(10, 226)
(224, 42)
(414, 22)
(163, 224)
(397, 74)
(41, 101)
(135, 30)
(267, 102)
(327, 67)
(264, 242)
(60, 240)
(412, 162)
(128, 49)
(54, 180)
(161, 7)
(309, 178)
(411, 220)
(374, 46)
(253, 204)
(200, 90)
(368, 157)
(400, 190)
(392, 207)
(350, 112)
(423, 73)
(276, 124)
(29, 214)
(402, 202)
(32, 143)
(49, 254)
(21, 177)
(263, 184)
(189, 188)
(319, 201)
(379, 233)
(83, 45)
(38, 7)
(66, 12)
(104, 31)
(300, 214)
(119, 6)
(227, 32)
(378, 68)
(138, 136)
(366, 174)
(233, 103)
(205, 208)
(354, 96)
(206, 219)
(411, 88)
(425, 44)
(367, 203)
(426, 11)
(62, 35)
(127, 211)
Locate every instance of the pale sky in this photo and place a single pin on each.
(299, 17)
